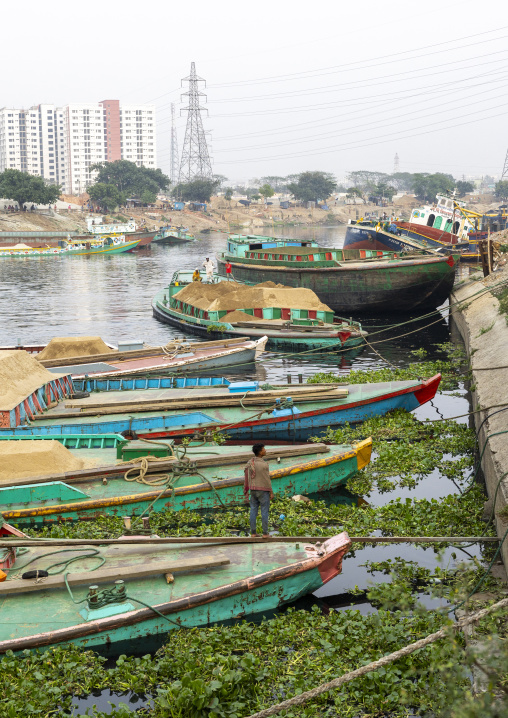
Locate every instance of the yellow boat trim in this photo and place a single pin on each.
(362, 451)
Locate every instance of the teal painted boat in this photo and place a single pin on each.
(141, 592)
(72, 248)
(356, 281)
(304, 324)
(202, 477)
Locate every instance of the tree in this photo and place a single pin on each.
(366, 180)
(23, 187)
(278, 183)
(427, 186)
(354, 192)
(464, 187)
(312, 186)
(199, 190)
(129, 179)
(106, 195)
(501, 189)
(228, 193)
(384, 190)
(221, 179)
(266, 191)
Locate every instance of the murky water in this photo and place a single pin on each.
(111, 297)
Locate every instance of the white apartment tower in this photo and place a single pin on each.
(61, 143)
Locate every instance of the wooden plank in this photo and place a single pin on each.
(196, 403)
(112, 574)
(296, 390)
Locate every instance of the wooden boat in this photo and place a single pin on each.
(170, 235)
(202, 477)
(356, 281)
(72, 248)
(288, 328)
(370, 234)
(246, 414)
(174, 357)
(144, 590)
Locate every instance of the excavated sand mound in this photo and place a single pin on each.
(20, 375)
(24, 459)
(231, 295)
(65, 347)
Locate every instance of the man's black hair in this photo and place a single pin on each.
(257, 449)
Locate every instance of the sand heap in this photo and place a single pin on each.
(65, 347)
(20, 375)
(231, 295)
(25, 459)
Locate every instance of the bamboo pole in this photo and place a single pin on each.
(20, 542)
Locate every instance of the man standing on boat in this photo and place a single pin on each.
(229, 270)
(257, 482)
(208, 265)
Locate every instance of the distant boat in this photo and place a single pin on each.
(354, 281)
(295, 327)
(207, 476)
(71, 248)
(143, 590)
(170, 235)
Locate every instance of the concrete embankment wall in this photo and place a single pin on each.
(485, 333)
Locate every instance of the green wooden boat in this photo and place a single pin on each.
(171, 235)
(355, 281)
(289, 329)
(199, 477)
(142, 591)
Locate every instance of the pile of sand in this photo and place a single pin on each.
(20, 375)
(231, 295)
(25, 459)
(65, 347)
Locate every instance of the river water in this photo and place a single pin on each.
(111, 296)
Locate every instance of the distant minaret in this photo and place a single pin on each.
(396, 163)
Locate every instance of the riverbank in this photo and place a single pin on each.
(481, 319)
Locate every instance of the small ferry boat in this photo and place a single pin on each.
(72, 248)
(349, 281)
(290, 318)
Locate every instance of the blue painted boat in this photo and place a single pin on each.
(284, 418)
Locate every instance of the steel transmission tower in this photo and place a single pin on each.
(195, 162)
(396, 163)
(173, 175)
(504, 173)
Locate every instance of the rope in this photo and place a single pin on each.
(90, 553)
(384, 661)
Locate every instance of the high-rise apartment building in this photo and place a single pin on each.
(61, 143)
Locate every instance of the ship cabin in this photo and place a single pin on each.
(444, 215)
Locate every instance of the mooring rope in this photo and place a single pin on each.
(384, 661)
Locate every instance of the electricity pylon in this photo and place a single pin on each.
(195, 162)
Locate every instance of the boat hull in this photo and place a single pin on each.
(378, 287)
(260, 577)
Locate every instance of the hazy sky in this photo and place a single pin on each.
(291, 86)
